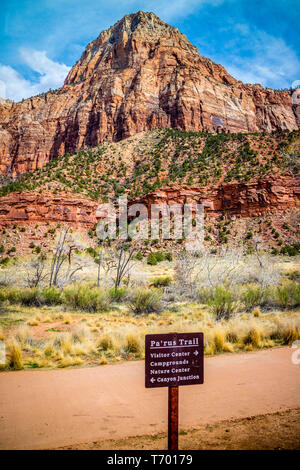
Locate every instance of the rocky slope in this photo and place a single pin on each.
(139, 75)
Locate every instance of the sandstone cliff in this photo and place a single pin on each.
(238, 200)
(138, 75)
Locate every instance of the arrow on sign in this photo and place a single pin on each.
(152, 380)
(196, 353)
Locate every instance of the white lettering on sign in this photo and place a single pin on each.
(173, 344)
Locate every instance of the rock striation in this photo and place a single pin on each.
(139, 75)
(237, 199)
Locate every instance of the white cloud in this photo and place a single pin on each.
(267, 60)
(51, 75)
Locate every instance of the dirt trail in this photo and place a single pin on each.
(46, 409)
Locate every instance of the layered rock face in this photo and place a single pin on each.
(240, 200)
(31, 207)
(138, 75)
(237, 199)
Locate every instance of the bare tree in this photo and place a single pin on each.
(63, 253)
(36, 272)
(123, 265)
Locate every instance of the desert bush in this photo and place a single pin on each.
(29, 297)
(117, 294)
(252, 296)
(86, 298)
(222, 303)
(159, 256)
(204, 295)
(51, 296)
(151, 259)
(161, 281)
(287, 295)
(145, 301)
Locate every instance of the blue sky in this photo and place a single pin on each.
(258, 41)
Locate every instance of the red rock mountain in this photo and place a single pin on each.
(138, 75)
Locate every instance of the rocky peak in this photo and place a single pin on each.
(120, 45)
(141, 74)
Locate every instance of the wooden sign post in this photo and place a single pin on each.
(172, 360)
(173, 418)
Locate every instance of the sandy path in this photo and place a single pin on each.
(44, 409)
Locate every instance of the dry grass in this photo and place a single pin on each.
(15, 356)
(93, 338)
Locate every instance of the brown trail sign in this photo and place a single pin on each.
(174, 359)
(171, 360)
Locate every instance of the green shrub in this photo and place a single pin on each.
(116, 295)
(168, 256)
(30, 296)
(151, 259)
(204, 295)
(159, 256)
(290, 250)
(288, 295)
(86, 298)
(252, 296)
(139, 256)
(222, 303)
(145, 301)
(161, 281)
(51, 296)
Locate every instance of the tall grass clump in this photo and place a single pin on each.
(253, 337)
(15, 357)
(219, 340)
(145, 301)
(86, 298)
(222, 303)
(133, 343)
(286, 332)
(106, 342)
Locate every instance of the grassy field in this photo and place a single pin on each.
(82, 325)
